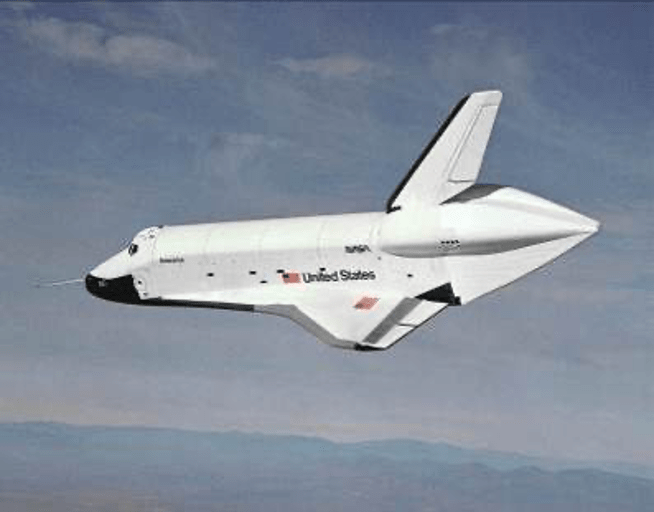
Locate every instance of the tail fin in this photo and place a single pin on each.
(451, 161)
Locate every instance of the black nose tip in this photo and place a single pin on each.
(120, 289)
(93, 285)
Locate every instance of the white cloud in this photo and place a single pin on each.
(18, 6)
(331, 66)
(451, 29)
(465, 54)
(140, 54)
(442, 29)
(230, 152)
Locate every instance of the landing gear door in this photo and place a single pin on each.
(144, 244)
(141, 279)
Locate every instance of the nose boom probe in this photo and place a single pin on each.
(59, 283)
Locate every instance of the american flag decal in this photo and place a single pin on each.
(291, 278)
(366, 303)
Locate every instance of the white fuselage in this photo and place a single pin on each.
(404, 250)
(365, 280)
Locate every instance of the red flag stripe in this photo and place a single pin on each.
(291, 278)
(366, 303)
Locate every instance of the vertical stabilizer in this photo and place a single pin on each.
(451, 161)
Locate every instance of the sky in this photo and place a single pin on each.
(118, 116)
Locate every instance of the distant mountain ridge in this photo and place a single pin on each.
(109, 468)
(399, 450)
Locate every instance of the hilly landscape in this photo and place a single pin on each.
(59, 468)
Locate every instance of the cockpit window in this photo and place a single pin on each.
(133, 248)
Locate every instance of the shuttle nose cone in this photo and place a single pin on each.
(120, 289)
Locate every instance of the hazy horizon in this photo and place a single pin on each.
(109, 468)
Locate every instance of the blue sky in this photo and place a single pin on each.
(119, 116)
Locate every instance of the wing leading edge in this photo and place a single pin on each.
(451, 161)
(352, 320)
(356, 319)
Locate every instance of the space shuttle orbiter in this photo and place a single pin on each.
(360, 281)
